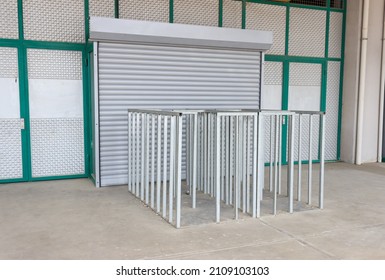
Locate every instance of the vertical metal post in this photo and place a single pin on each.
(242, 162)
(275, 164)
(255, 167)
(205, 153)
(271, 182)
(165, 134)
(152, 161)
(142, 156)
(137, 155)
(248, 120)
(173, 143)
(179, 172)
(129, 151)
(322, 161)
(195, 159)
(227, 160)
(291, 163)
(261, 161)
(212, 154)
(222, 158)
(158, 166)
(310, 165)
(218, 168)
(231, 161)
(299, 191)
(236, 168)
(147, 157)
(279, 162)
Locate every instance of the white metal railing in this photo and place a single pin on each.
(154, 161)
(224, 158)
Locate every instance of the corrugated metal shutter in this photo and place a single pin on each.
(166, 77)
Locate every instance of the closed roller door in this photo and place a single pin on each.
(166, 77)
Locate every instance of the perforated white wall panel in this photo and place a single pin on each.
(54, 20)
(305, 86)
(332, 109)
(10, 129)
(151, 10)
(307, 32)
(56, 112)
(8, 63)
(57, 147)
(272, 91)
(335, 34)
(199, 12)
(166, 77)
(8, 19)
(10, 149)
(102, 8)
(305, 94)
(268, 18)
(232, 14)
(54, 64)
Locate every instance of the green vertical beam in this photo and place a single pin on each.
(23, 95)
(341, 82)
(86, 109)
(86, 20)
(243, 14)
(220, 13)
(287, 30)
(171, 11)
(325, 64)
(116, 8)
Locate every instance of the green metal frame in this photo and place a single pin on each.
(22, 45)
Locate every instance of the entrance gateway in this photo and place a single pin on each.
(150, 65)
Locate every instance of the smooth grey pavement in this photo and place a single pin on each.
(71, 219)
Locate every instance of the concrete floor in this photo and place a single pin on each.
(71, 219)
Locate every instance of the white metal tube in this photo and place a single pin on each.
(236, 167)
(231, 162)
(172, 168)
(137, 165)
(255, 166)
(280, 154)
(223, 151)
(310, 165)
(299, 191)
(248, 165)
(243, 163)
(179, 173)
(276, 153)
(227, 160)
(322, 162)
(382, 93)
(158, 165)
(261, 161)
(271, 165)
(206, 152)
(362, 81)
(142, 156)
(212, 155)
(152, 161)
(147, 156)
(165, 134)
(129, 152)
(195, 164)
(218, 169)
(291, 163)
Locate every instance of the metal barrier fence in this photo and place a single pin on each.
(224, 157)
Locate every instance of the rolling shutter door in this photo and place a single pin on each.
(166, 77)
